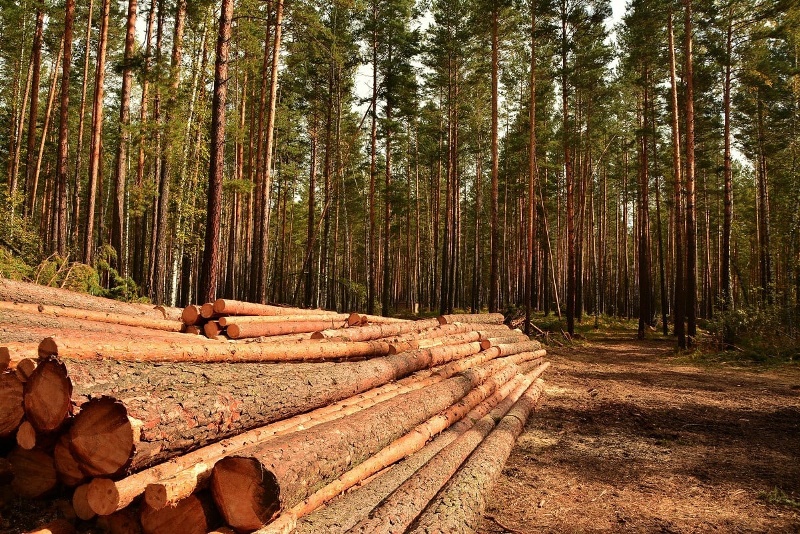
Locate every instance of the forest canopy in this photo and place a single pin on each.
(403, 157)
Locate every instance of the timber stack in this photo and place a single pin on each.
(234, 416)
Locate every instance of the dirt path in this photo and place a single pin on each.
(631, 439)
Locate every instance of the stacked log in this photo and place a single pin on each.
(145, 426)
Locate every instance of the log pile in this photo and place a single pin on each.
(271, 421)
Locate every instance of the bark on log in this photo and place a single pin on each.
(248, 330)
(379, 319)
(95, 316)
(251, 488)
(186, 406)
(11, 407)
(398, 449)
(398, 511)
(34, 473)
(237, 307)
(107, 496)
(145, 351)
(59, 526)
(339, 319)
(482, 318)
(377, 331)
(195, 514)
(461, 503)
(345, 512)
(13, 291)
(498, 340)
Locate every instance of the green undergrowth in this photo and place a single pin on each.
(779, 497)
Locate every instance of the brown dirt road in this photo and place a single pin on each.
(633, 439)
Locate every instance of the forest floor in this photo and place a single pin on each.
(635, 438)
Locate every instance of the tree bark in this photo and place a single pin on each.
(62, 159)
(36, 71)
(495, 229)
(691, 224)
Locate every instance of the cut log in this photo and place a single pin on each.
(237, 307)
(11, 407)
(25, 368)
(194, 330)
(482, 318)
(13, 291)
(122, 522)
(395, 451)
(379, 319)
(461, 503)
(247, 330)
(26, 436)
(191, 315)
(34, 473)
(193, 515)
(48, 394)
(397, 512)
(251, 487)
(338, 319)
(185, 405)
(95, 316)
(69, 472)
(12, 353)
(212, 329)
(207, 311)
(59, 526)
(498, 340)
(144, 351)
(80, 504)
(377, 331)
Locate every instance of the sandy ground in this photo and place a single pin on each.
(631, 438)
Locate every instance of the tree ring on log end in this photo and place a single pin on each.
(103, 496)
(102, 437)
(48, 393)
(247, 495)
(11, 410)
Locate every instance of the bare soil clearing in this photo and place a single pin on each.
(631, 438)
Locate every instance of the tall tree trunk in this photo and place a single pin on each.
(495, 230)
(764, 254)
(530, 278)
(569, 178)
(679, 308)
(118, 240)
(643, 220)
(387, 205)
(36, 71)
(97, 132)
(267, 171)
(691, 224)
(63, 131)
(210, 268)
(373, 168)
(308, 264)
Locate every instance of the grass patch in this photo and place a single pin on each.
(779, 497)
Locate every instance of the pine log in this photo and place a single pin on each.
(34, 473)
(14, 291)
(379, 319)
(59, 526)
(193, 330)
(168, 491)
(184, 406)
(11, 408)
(122, 522)
(95, 316)
(404, 446)
(399, 510)
(347, 510)
(237, 307)
(497, 340)
(69, 472)
(483, 318)
(195, 514)
(144, 351)
(411, 343)
(377, 331)
(48, 394)
(247, 330)
(13, 352)
(191, 315)
(338, 319)
(80, 504)
(253, 486)
(26, 436)
(212, 329)
(107, 496)
(25, 368)
(223, 530)
(461, 503)
(355, 319)
(207, 311)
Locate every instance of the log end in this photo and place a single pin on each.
(193, 515)
(80, 503)
(247, 495)
(34, 473)
(233, 331)
(26, 435)
(69, 471)
(48, 393)
(190, 314)
(486, 344)
(442, 320)
(102, 437)
(48, 347)
(219, 306)
(317, 335)
(207, 310)
(354, 319)
(102, 496)
(59, 526)
(5, 358)
(11, 404)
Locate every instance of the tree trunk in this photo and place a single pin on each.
(36, 71)
(691, 225)
(63, 132)
(495, 230)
